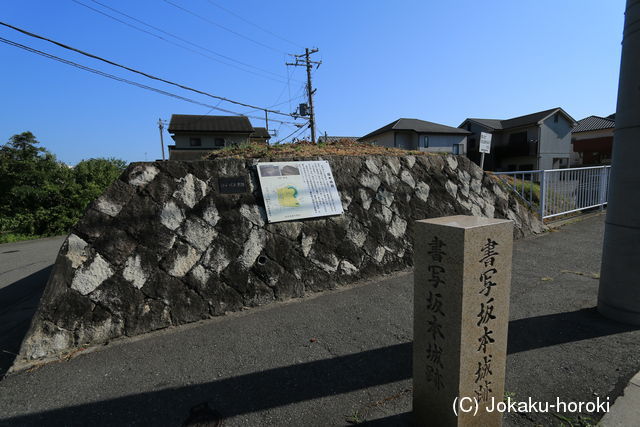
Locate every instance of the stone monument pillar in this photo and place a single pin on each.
(462, 270)
(619, 293)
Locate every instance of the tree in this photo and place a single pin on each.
(22, 147)
(40, 195)
(93, 176)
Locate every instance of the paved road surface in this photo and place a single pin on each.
(24, 269)
(341, 356)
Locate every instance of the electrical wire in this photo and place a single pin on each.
(275, 105)
(123, 80)
(292, 133)
(181, 86)
(254, 24)
(262, 70)
(223, 27)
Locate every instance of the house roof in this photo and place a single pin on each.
(330, 138)
(260, 133)
(594, 123)
(526, 120)
(193, 123)
(420, 126)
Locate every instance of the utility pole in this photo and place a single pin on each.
(619, 291)
(304, 60)
(161, 127)
(266, 120)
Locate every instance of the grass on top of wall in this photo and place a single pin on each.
(342, 147)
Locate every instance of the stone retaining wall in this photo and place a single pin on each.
(162, 247)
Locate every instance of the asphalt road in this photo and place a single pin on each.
(341, 356)
(24, 269)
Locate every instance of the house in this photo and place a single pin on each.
(414, 134)
(592, 140)
(539, 140)
(196, 136)
(260, 136)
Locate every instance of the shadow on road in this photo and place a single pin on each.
(296, 383)
(544, 331)
(18, 303)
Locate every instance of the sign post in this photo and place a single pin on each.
(485, 147)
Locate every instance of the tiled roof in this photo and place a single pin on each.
(526, 120)
(193, 123)
(260, 133)
(416, 125)
(330, 138)
(594, 123)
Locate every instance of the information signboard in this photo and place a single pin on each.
(485, 142)
(295, 190)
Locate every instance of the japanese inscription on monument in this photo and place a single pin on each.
(462, 277)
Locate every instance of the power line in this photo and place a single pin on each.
(223, 27)
(181, 86)
(276, 105)
(131, 82)
(292, 133)
(279, 78)
(254, 24)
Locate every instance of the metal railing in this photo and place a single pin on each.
(557, 192)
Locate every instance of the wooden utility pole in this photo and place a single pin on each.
(305, 60)
(266, 120)
(161, 127)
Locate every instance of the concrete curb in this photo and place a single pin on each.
(625, 411)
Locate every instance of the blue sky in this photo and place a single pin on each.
(439, 61)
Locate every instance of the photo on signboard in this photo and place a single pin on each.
(269, 170)
(289, 170)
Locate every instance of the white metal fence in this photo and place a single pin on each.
(557, 192)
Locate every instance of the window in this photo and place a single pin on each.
(424, 141)
(555, 118)
(518, 138)
(195, 142)
(218, 142)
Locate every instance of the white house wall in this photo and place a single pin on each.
(556, 141)
(441, 143)
(208, 140)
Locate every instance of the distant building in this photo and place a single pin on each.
(260, 136)
(414, 134)
(539, 140)
(196, 136)
(330, 138)
(592, 140)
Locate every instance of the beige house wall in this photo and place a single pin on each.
(592, 134)
(384, 139)
(188, 154)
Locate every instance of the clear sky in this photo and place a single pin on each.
(440, 61)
